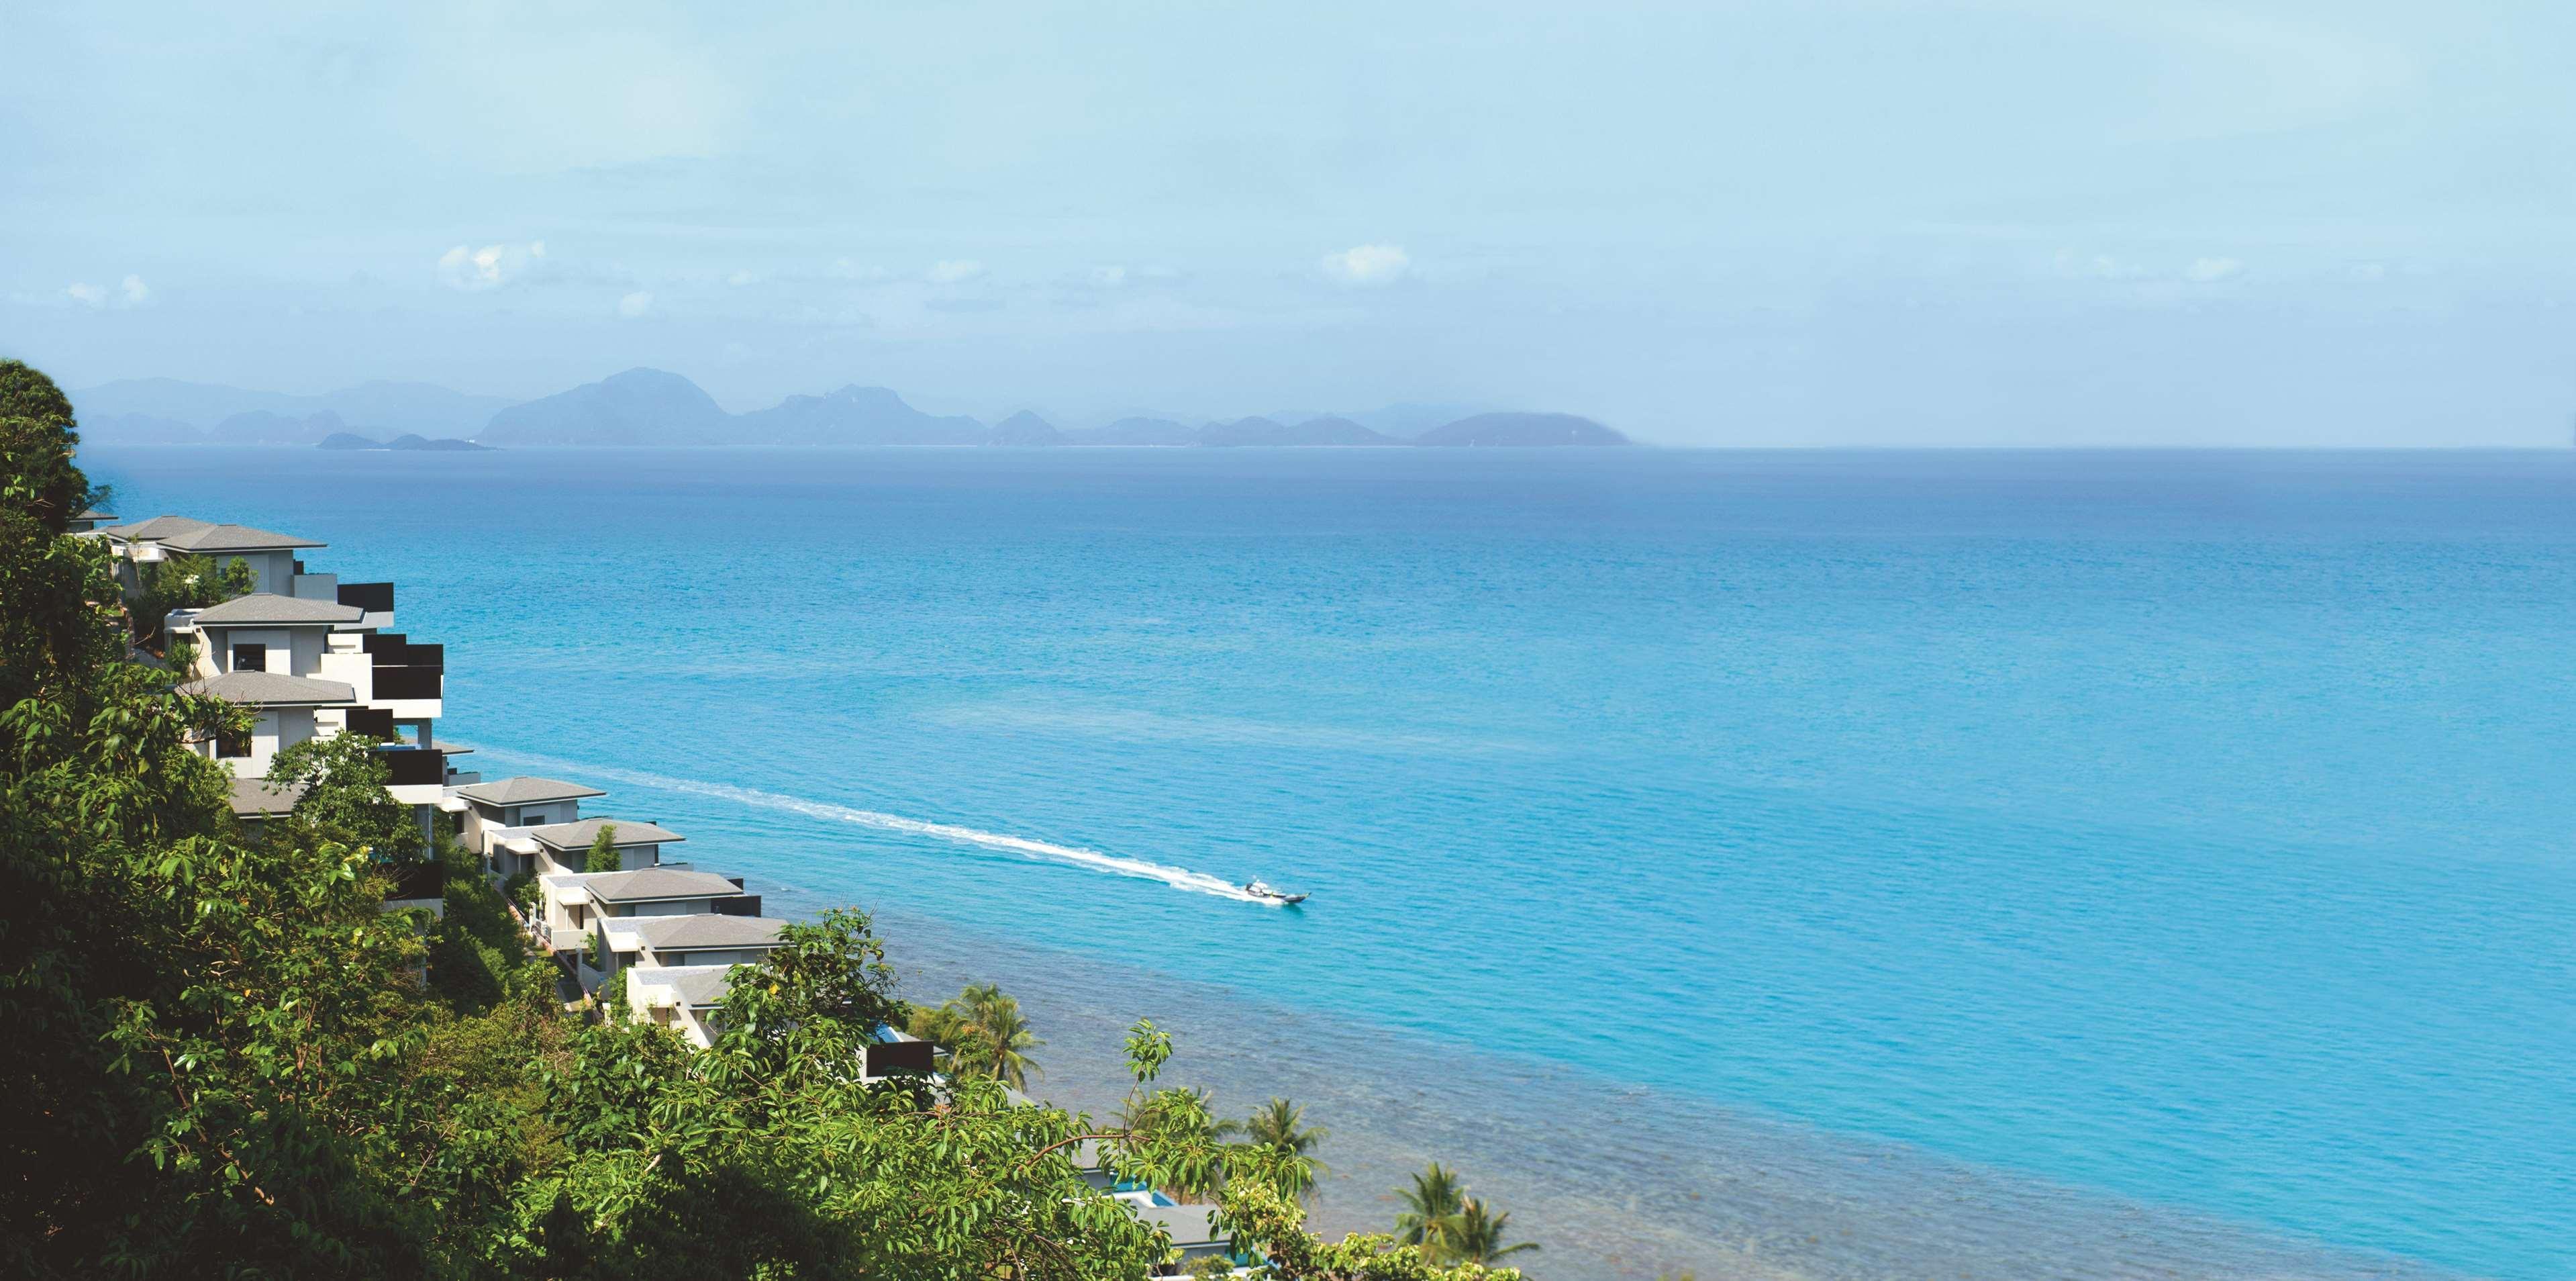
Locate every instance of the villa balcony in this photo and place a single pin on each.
(414, 766)
(375, 598)
(416, 882)
(404, 684)
(373, 722)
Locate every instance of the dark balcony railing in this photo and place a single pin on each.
(417, 880)
(372, 597)
(410, 766)
(890, 1057)
(737, 905)
(372, 723)
(396, 650)
(407, 682)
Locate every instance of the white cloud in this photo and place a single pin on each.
(741, 278)
(853, 269)
(2077, 266)
(953, 271)
(635, 304)
(129, 292)
(2370, 272)
(2209, 271)
(472, 270)
(1368, 264)
(1109, 277)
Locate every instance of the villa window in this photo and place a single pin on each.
(228, 743)
(250, 658)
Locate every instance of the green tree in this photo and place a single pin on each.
(603, 851)
(340, 782)
(984, 1034)
(1475, 1235)
(1263, 1218)
(1281, 1126)
(1431, 1204)
(180, 582)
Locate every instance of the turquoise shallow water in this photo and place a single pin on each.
(2190, 829)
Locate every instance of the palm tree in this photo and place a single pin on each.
(1475, 1235)
(1279, 1126)
(1430, 1207)
(984, 1034)
(995, 1019)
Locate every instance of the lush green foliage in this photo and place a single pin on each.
(1281, 1125)
(222, 1059)
(1432, 1201)
(603, 855)
(182, 582)
(342, 780)
(983, 1034)
(1449, 1226)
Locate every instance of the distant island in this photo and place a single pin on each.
(653, 407)
(408, 440)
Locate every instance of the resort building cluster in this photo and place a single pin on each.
(310, 656)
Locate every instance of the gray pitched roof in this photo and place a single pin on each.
(158, 527)
(272, 689)
(655, 883)
(525, 790)
(269, 607)
(95, 514)
(235, 538)
(686, 933)
(256, 798)
(578, 836)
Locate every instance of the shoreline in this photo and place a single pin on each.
(1614, 1179)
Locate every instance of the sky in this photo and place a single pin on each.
(1841, 222)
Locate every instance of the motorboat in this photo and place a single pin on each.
(1263, 890)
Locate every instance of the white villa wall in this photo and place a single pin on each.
(659, 1005)
(343, 661)
(273, 730)
(269, 571)
(292, 651)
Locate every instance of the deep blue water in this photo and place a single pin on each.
(2190, 828)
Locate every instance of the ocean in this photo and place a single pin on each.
(1771, 864)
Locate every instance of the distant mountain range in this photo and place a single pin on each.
(656, 408)
(166, 403)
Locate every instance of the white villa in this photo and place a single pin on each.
(271, 556)
(486, 811)
(307, 655)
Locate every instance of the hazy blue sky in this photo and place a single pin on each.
(1884, 221)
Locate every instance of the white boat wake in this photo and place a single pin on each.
(1179, 878)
